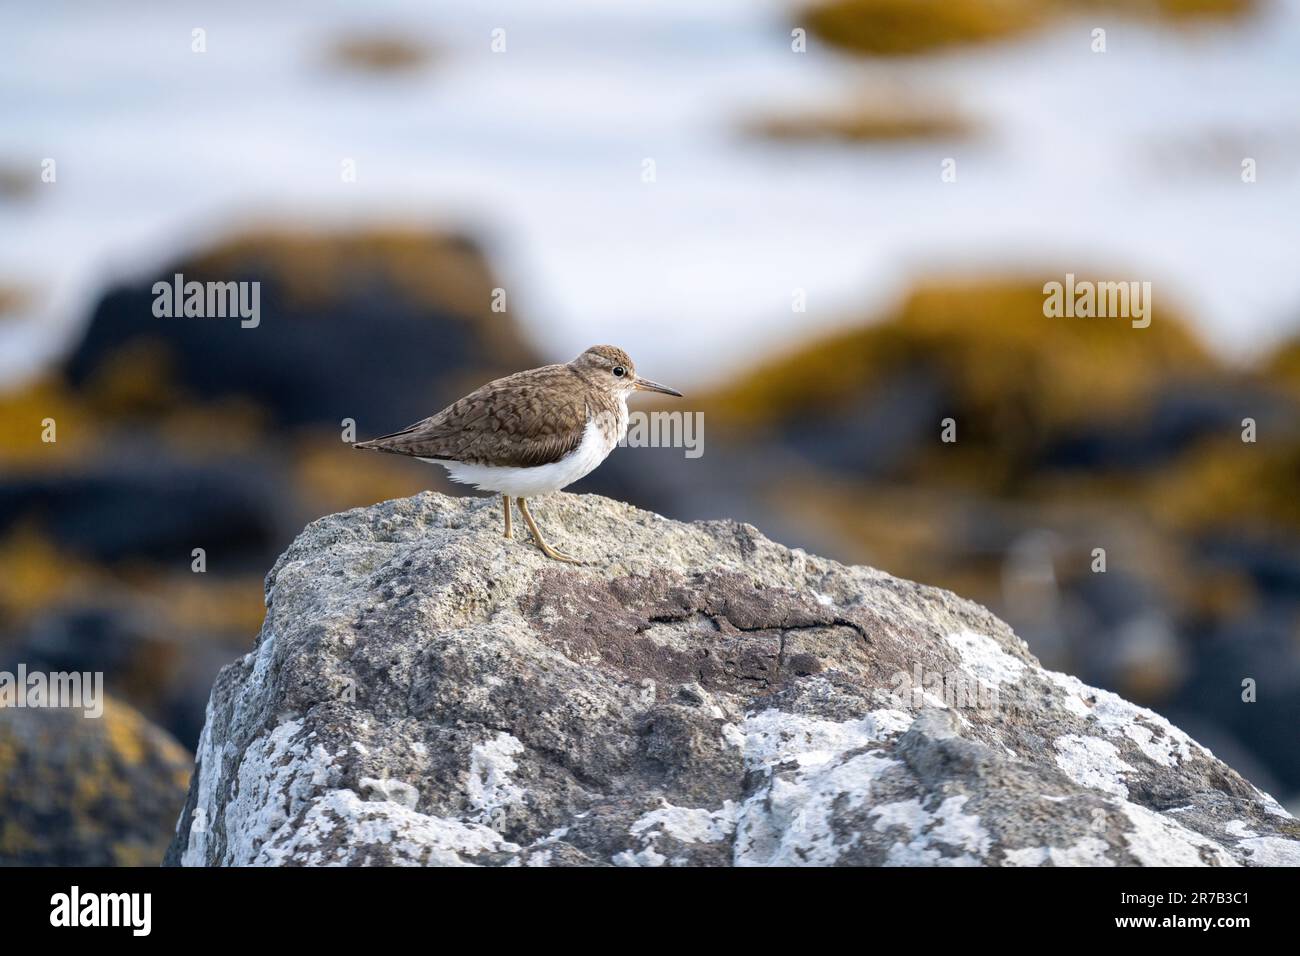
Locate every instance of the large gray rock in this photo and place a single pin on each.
(425, 692)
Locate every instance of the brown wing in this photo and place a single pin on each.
(523, 420)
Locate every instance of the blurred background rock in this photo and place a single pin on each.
(520, 173)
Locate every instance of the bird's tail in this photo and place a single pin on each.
(385, 442)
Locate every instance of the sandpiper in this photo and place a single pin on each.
(530, 433)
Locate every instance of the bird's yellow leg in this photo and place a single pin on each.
(537, 536)
(505, 504)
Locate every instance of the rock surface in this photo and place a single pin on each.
(425, 692)
(87, 792)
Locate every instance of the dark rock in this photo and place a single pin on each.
(79, 791)
(378, 327)
(154, 510)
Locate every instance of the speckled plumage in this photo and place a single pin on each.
(530, 433)
(523, 420)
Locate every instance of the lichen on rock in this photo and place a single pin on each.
(424, 691)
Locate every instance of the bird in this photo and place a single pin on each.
(530, 433)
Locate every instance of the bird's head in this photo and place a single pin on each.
(611, 367)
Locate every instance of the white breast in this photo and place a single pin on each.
(539, 480)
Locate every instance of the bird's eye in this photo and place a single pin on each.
(619, 371)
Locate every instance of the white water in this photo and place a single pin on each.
(1088, 162)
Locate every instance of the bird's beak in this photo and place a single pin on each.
(645, 385)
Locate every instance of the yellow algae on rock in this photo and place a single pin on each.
(908, 27)
(91, 792)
